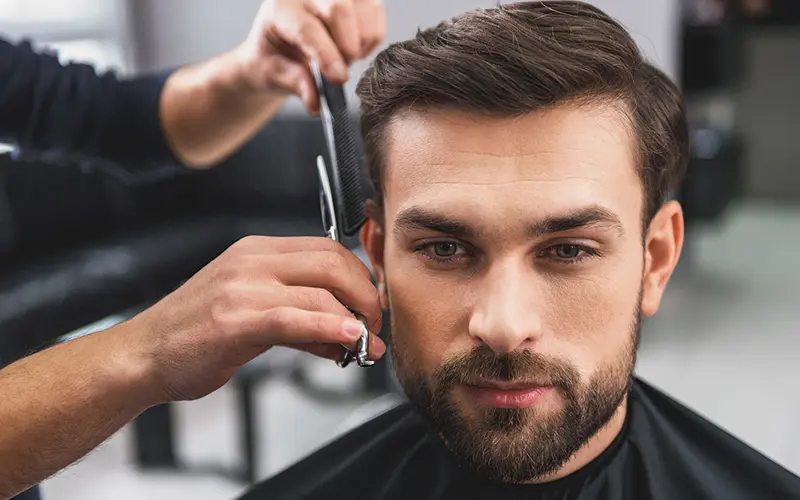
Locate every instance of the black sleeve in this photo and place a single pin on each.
(47, 107)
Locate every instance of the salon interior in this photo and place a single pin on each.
(727, 333)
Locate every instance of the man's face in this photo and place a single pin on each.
(513, 259)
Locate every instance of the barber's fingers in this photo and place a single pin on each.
(307, 330)
(377, 348)
(309, 34)
(251, 306)
(290, 244)
(342, 21)
(372, 25)
(341, 275)
(257, 296)
(296, 251)
(326, 265)
(295, 78)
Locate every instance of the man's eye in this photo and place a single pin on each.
(443, 251)
(570, 253)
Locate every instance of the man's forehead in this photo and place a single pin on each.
(585, 154)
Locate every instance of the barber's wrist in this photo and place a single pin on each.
(131, 367)
(233, 74)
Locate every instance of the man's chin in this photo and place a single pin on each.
(501, 454)
(499, 443)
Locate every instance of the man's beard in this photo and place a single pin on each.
(518, 444)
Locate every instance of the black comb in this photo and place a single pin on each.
(349, 178)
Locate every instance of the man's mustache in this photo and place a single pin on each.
(525, 367)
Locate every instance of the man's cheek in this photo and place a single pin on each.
(593, 314)
(423, 320)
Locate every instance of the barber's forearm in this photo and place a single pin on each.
(58, 404)
(207, 111)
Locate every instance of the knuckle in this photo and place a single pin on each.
(319, 323)
(338, 8)
(223, 318)
(250, 239)
(322, 300)
(227, 274)
(374, 37)
(246, 242)
(365, 272)
(237, 248)
(226, 296)
(306, 32)
(327, 245)
(279, 318)
(253, 241)
(333, 265)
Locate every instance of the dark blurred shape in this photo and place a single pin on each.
(712, 46)
(771, 12)
(713, 54)
(714, 178)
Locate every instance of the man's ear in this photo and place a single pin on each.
(372, 239)
(662, 248)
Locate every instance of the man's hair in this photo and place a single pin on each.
(518, 58)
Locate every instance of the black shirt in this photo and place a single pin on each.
(72, 110)
(664, 451)
(69, 112)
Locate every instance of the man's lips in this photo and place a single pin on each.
(507, 394)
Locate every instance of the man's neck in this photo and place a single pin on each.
(596, 445)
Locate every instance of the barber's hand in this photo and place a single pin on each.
(289, 34)
(259, 293)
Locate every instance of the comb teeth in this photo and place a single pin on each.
(351, 171)
(349, 178)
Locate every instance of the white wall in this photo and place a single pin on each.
(174, 32)
(654, 24)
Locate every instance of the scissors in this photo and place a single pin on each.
(331, 227)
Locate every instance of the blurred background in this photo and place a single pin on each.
(83, 247)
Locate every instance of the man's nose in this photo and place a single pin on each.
(507, 315)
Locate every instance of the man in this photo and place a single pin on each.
(58, 404)
(524, 156)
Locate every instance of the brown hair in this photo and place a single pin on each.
(518, 58)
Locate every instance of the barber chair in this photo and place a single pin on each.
(79, 244)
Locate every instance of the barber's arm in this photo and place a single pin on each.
(198, 114)
(57, 405)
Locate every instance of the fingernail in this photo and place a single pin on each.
(339, 71)
(352, 328)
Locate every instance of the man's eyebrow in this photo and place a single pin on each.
(420, 219)
(580, 218)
